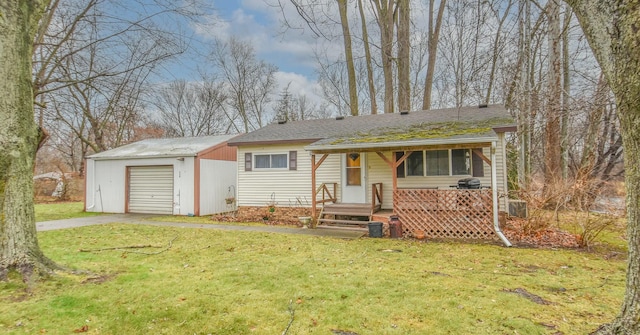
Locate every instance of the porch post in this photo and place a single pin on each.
(394, 182)
(313, 187)
(494, 191)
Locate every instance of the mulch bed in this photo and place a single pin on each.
(549, 237)
(253, 218)
(514, 230)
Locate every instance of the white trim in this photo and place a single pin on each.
(254, 162)
(450, 164)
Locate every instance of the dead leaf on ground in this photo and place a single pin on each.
(343, 332)
(82, 329)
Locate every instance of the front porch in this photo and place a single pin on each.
(435, 213)
(441, 211)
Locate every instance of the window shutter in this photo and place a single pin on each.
(400, 168)
(293, 160)
(477, 164)
(247, 161)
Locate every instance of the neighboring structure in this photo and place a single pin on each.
(179, 176)
(405, 163)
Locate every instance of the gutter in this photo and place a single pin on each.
(396, 144)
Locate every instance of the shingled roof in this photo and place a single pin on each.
(456, 124)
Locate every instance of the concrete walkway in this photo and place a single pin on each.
(144, 219)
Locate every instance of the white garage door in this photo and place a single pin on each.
(151, 189)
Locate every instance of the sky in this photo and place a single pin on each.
(259, 23)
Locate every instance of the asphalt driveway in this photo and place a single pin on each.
(144, 219)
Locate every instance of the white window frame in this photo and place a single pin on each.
(450, 167)
(255, 161)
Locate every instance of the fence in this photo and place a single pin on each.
(463, 214)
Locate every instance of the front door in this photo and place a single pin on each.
(353, 178)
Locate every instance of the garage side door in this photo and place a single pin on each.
(151, 189)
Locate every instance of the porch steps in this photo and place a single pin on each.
(338, 222)
(345, 215)
(348, 228)
(347, 209)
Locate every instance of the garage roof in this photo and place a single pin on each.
(163, 147)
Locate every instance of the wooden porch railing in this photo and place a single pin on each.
(376, 196)
(466, 214)
(327, 194)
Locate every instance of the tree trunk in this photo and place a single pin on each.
(348, 53)
(566, 91)
(404, 56)
(434, 36)
(611, 29)
(367, 57)
(385, 16)
(552, 170)
(19, 138)
(497, 48)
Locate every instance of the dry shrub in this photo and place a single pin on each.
(583, 205)
(72, 189)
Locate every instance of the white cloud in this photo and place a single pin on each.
(260, 23)
(298, 84)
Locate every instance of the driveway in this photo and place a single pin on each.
(144, 219)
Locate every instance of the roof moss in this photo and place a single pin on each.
(425, 131)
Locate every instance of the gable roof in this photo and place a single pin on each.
(163, 147)
(451, 125)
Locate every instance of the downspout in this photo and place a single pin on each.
(494, 191)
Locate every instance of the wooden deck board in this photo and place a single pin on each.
(337, 214)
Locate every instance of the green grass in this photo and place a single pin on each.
(221, 282)
(207, 219)
(61, 210)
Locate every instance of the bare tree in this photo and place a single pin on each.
(191, 109)
(433, 37)
(248, 81)
(385, 12)
(566, 93)
(348, 53)
(93, 61)
(290, 107)
(499, 42)
(552, 155)
(367, 57)
(404, 54)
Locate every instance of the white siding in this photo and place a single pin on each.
(90, 190)
(380, 172)
(293, 188)
(288, 188)
(106, 183)
(183, 192)
(216, 178)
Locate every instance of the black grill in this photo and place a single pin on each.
(469, 183)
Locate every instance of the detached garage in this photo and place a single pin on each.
(178, 176)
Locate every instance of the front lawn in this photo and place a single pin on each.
(200, 281)
(61, 210)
